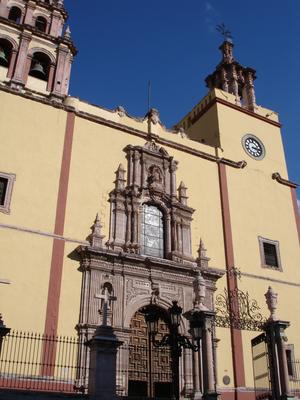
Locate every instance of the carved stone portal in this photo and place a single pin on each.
(118, 270)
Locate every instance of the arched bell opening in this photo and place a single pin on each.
(15, 14)
(41, 24)
(40, 66)
(149, 367)
(5, 53)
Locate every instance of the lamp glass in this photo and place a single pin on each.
(175, 313)
(151, 318)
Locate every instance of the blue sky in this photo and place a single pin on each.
(123, 44)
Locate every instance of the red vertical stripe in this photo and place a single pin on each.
(59, 245)
(236, 335)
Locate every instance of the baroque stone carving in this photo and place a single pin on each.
(151, 179)
(136, 288)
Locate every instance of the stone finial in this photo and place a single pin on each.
(200, 292)
(120, 110)
(120, 177)
(60, 3)
(67, 34)
(96, 237)
(153, 116)
(181, 132)
(202, 259)
(271, 300)
(227, 51)
(182, 193)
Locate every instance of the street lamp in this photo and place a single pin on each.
(174, 339)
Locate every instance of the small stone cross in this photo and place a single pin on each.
(106, 299)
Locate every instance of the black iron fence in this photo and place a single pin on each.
(31, 361)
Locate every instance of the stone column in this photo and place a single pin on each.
(136, 170)
(103, 356)
(197, 375)
(173, 168)
(276, 338)
(12, 64)
(249, 92)
(209, 384)
(51, 77)
(275, 331)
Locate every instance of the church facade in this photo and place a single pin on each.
(95, 200)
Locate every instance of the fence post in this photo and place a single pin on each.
(276, 338)
(3, 331)
(103, 356)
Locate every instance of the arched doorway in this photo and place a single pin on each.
(149, 373)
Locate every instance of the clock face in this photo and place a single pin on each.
(253, 147)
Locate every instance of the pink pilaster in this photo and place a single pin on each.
(56, 24)
(58, 87)
(67, 74)
(19, 74)
(3, 8)
(27, 69)
(29, 13)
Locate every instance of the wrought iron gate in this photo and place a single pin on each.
(261, 367)
(143, 370)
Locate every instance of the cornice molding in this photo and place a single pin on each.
(144, 135)
(216, 100)
(277, 177)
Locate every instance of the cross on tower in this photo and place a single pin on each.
(106, 299)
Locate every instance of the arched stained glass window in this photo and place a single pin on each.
(152, 232)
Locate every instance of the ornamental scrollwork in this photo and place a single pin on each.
(236, 309)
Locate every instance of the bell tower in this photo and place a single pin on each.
(36, 53)
(232, 77)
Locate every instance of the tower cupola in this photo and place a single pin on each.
(233, 78)
(35, 55)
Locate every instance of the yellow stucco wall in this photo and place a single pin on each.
(25, 262)
(33, 136)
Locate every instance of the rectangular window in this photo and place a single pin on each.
(290, 360)
(3, 190)
(269, 253)
(6, 186)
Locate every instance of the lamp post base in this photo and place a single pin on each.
(211, 396)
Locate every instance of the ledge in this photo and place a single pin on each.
(136, 132)
(277, 177)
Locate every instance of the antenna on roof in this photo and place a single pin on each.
(149, 95)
